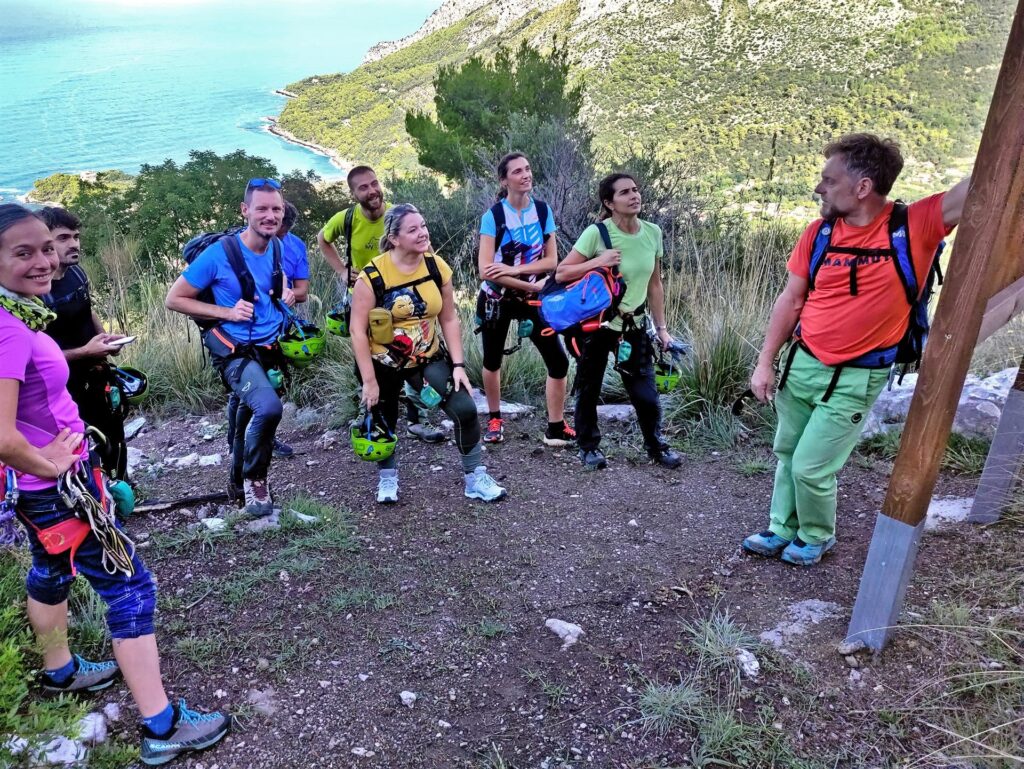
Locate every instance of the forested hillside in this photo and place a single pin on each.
(748, 89)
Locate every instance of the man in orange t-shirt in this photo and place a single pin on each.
(854, 308)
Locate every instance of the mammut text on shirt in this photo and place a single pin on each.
(44, 405)
(211, 269)
(366, 235)
(521, 227)
(838, 326)
(414, 309)
(640, 253)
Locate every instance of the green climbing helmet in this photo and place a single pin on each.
(337, 322)
(301, 343)
(372, 441)
(133, 384)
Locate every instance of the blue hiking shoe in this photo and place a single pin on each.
(88, 677)
(282, 449)
(479, 485)
(799, 553)
(191, 731)
(766, 543)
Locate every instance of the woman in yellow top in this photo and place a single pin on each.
(415, 288)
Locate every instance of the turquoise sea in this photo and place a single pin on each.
(98, 84)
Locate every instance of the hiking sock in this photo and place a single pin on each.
(162, 723)
(63, 674)
(495, 414)
(472, 459)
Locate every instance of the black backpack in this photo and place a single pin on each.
(191, 251)
(380, 290)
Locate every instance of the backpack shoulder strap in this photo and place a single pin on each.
(277, 277)
(237, 262)
(376, 282)
(498, 212)
(606, 237)
(347, 231)
(542, 217)
(822, 239)
(433, 270)
(899, 239)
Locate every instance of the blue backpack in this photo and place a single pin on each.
(908, 351)
(584, 303)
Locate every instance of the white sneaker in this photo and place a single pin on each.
(479, 485)
(387, 487)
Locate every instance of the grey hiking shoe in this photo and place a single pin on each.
(191, 731)
(258, 503)
(88, 677)
(426, 433)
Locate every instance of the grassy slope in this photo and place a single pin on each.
(713, 85)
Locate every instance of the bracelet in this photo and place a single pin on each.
(458, 365)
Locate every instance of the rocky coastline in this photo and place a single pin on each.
(272, 126)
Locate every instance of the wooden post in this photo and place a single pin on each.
(987, 256)
(1005, 458)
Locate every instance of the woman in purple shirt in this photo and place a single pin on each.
(41, 445)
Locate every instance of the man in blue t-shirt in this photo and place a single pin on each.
(294, 257)
(243, 343)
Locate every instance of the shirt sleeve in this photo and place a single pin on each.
(17, 346)
(549, 225)
(299, 267)
(487, 225)
(335, 226)
(659, 249)
(800, 259)
(586, 244)
(927, 229)
(202, 273)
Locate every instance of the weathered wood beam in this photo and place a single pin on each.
(1001, 309)
(987, 256)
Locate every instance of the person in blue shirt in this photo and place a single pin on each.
(294, 257)
(514, 265)
(243, 344)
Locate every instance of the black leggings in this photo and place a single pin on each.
(457, 404)
(494, 332)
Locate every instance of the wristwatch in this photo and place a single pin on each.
(458, 365)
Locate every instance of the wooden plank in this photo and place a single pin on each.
(1005, 458)
(988, 248)
(1001, 309)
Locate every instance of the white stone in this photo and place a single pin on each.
(363, 753)
(748, 663)
(214, 524)
(444, 724)
(61, 751)
(632, 522)
(186, 461)
(263, 701)
(112, 711)
(408, 698)
(947, 510)
(132, 427)
(136, 459)
(270, 522)
(324, 684)
(364, 677)
(328, 440)
(16, 745)
(508, 410)
(303, 518)
(220, 694)
(210, 460)
(92, 729)
(802, 614)
(567, 631)
(617, 412)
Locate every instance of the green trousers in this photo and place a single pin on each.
(813, 442)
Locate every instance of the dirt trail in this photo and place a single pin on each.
(311, 633)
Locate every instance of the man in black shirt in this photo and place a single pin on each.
(86, 345)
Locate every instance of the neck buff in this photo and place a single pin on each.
(30, 310)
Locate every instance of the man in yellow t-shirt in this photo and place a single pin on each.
(362, 227)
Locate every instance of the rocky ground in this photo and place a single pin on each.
(422, 634)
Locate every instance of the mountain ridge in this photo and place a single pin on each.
(744, 85)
